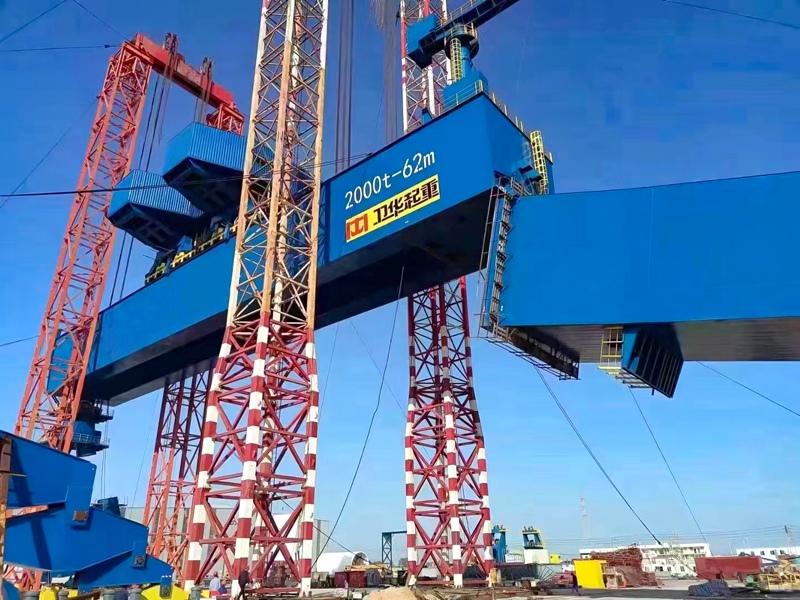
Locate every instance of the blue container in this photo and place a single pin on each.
(149, 190)
(207, 144)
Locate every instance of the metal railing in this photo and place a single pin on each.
(85, 438)
(611, 358)
(479, 88)
(175, 259)
(102, 409)
(462, 96)
(508, 112)
(457, 12)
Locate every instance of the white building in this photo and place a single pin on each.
(772, 552)
(676, 560)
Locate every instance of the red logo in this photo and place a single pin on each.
(357, 226)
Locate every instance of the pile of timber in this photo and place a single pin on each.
(628, 563)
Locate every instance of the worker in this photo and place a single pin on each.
(243, 579)
(575, 589)
(213, 587)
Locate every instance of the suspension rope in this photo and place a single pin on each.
(592, 454)
(749, 389)
(664, 458)
(372, 418)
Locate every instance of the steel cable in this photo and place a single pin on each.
(372, 418)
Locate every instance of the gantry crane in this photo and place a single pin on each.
(52, 401)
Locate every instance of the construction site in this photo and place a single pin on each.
(259, 226)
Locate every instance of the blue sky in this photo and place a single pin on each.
(627, 93)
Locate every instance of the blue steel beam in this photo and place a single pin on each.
(709, 261)
(375, 220)
(68, 537)
(713, 260)
(428, 37)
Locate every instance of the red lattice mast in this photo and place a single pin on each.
(448, 523)
(53, 391)
(172, 474)
(253, 502)
(54, 388)
(468, 486)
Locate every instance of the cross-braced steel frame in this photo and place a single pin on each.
(55, 382)
(172, 474)
(259, 444)
(421, 88)
(448, 524)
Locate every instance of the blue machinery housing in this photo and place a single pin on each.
(68, 536)
(696, 271)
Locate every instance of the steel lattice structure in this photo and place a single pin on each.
(466, 458)
(258, 452)
(52, 396)
(421, 89)
(55, 382)
(172, 474)
(53, 391)
(448, 523)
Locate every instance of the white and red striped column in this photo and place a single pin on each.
(260, 437)
(483, 477)
(309, 489)
(250, 456)
(447, 494)
(457, 568)
(427, 511)
(411, 527)
(199, 513)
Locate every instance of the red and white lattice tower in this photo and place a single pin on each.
(448, 522)
(172, 474)
(421, 89)
(253, 503)
(176, 452)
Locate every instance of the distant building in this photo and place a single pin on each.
(676, 560)
(774, 552)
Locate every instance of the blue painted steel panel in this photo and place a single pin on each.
(65, 475)
(151, 192)
(463, 148)
(10, 592)
(206, 280)
(184, 311)
(687, 252)
(652, 354)
(70, 537)
(208, 144)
